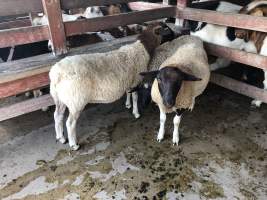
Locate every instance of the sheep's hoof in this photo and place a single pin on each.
(159, 139)
(128, 106)
(256, 103)
(75, 147)
(62, 140)
(137, 116)
(175, 141)
(175, 144)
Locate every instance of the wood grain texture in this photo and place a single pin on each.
(22, 85)
(239, 87)
(24, 107)
(53, 12)
(251, 59)
(107, 22)
(17, 36)
(226, 19)
(16, 7)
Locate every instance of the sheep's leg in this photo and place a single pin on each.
(38, 93)
(162, 126)
(135, 105)
(128, 100)
(220, 63)
(176, 123)
(58, 116)
(71, 128)
(255, 102)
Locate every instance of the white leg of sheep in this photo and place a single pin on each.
(176, 123)
(135, 105)
(162, 126)
(59, 116)
(128, 100)
(71, 128)
(255, 102)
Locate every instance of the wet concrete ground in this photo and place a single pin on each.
(222, 154)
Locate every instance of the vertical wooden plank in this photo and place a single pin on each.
(181, 4)
(53, 12)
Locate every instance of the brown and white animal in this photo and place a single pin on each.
(259, 39)
(98, 78)
(179, 80)
(219, 35)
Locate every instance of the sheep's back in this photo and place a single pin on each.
(191, 55)
(106, 75)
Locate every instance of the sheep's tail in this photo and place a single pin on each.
(54, 76)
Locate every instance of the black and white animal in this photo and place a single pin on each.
(98, 78)
(179, 80)
(220, 35)
(259, 39)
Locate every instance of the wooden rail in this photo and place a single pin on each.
(17, 7)
(28, 74)
(251, 59)
(225, 19)
(25, 107)
(239, 87)
(17, 36)
(15, 24)
(107, 22)
(35, 34)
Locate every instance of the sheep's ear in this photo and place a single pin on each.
(151, 74)
(189, 77)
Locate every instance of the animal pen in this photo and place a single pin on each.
(32, 73)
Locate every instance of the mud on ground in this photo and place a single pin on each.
(222, 154)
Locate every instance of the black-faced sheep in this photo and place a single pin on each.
(180, 79)
(98, 78)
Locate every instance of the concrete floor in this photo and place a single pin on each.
(222, 154)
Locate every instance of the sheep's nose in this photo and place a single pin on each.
(169, 104)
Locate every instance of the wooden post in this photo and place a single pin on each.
(52, 10)
(181, 4)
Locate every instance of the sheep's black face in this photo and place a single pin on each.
(170, 80)
(169, 83)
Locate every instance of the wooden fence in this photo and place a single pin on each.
(32, 73)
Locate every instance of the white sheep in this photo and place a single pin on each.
(180, 79)
(98, 78)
